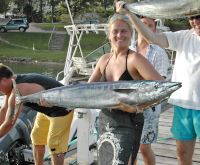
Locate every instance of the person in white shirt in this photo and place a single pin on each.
(186, 100)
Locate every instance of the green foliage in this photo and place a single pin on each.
(65, 18)
(108, 13)
(176, 25)
(20, 4)
(34, 8)
(53, 4)
(62, 8)
(4, 6)
(106, 4)
(48, 17)
(28, 9)
(99, 10)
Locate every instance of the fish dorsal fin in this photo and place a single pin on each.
(125, 91)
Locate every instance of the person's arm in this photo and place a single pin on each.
(25, 89)
(144, 68)
(96, 75)
(147, 71)
(3, 110)
(43, 103)
(7, 125)
(131, 109)
(149, 35)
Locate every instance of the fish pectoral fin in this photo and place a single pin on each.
(124, 91)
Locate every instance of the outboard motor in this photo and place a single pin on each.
(15, 146)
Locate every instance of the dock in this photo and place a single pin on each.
(165, 148)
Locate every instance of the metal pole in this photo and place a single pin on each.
(69, 12)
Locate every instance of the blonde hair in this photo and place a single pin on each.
(120, 17)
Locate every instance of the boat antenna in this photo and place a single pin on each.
(70, 12)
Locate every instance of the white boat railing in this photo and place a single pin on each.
(77, 31)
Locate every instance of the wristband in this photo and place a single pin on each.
(139, 110)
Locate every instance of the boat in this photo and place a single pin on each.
(15, 147)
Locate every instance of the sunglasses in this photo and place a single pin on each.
(118, 15)
(195, 17)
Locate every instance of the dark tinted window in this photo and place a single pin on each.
(93, 22)
(19, 21)
(87, 22)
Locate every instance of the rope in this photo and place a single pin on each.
(165, 138)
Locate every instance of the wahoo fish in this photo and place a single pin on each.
(98, 95)
(164, 9)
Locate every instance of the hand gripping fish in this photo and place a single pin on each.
(100, 95)
(164, 9)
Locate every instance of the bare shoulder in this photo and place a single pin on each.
(105, 56)
(104, 59)
(135, 56)
(137, 60)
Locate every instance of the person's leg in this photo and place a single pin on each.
(185, 151)
(57, 159)
(39, 137)
(119, 136)
(57, 140)
(149, 135)
(148, 154)
(183, 129)
(135, 161)
(38, 154)
(137, 136)
(130, 161)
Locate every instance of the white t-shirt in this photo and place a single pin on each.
(186, 69)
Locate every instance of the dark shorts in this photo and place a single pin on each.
(119, 136)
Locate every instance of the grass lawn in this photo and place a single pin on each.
(88, 43)
(49, 26)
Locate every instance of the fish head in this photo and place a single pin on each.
(150, 91)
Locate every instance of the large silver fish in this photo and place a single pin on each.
(164, 9)
(99, 95)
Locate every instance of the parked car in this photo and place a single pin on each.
(20, 24)
(91, 22)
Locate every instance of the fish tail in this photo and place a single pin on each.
(17, 100)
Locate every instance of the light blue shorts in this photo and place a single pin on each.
(186, 124)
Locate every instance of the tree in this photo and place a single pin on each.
(20, 4)
(41, 4)
(53, 3)
(28, 10)
(106, 4)
(80, 6)
(4, 6)
(26, 7)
